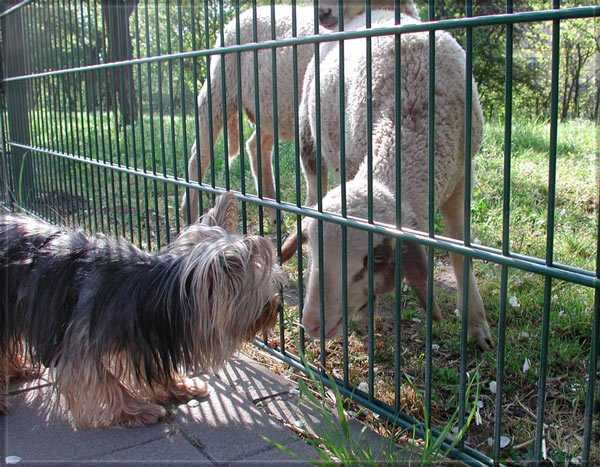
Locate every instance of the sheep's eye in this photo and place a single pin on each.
(382, 252)
(379, 258)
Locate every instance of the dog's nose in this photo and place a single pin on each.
(326, 17)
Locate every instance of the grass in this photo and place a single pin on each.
(73, 193)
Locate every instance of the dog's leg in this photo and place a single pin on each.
(13, 365)
(96, 398)
(4, 380)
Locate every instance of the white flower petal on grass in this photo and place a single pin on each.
(416, 320)
(478, 420)
(526, 365)
(514, 302)
(364, 387)
(504, 441)
(544, 449)
(493, 387)
(435, 347)
(12, 459)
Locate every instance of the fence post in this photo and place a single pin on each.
(15, 59)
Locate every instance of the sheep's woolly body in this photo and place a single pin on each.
(449, 147)
(285, 89)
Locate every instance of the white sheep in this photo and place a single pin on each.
(448, 169)
(329, 10)
(285, 92)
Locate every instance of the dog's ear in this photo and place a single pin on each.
(290, 246)
(224, 214)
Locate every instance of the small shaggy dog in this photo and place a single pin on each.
(118, 328)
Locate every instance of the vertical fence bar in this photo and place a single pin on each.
(431, 228)
(275, 159)
(161, 127)
(505, 236)
(317, 141)
(209, 116)
(370, 286)
(172, 116)
(296, 100)
(259, 180)
(398, 188)
(541, 398)
(186, 174)
(462, 403)
(16, 52)
(223, 59)
(152, 134)
(87, 84)
(238, 70)
(344, 208)
(142, 133)
(588, 418)
(196, 111)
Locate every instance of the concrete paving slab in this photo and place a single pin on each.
(227, 427)
(174, 449)
(274, 455)
(252, 379)
(35, 434)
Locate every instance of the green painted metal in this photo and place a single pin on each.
(508, 83)
(81, 147)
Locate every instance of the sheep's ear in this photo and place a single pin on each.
(224, 214)
(290, 246)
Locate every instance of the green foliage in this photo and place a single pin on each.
(532, 45)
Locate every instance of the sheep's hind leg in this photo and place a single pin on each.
(266, 173)
(190, 198)
(479, 330)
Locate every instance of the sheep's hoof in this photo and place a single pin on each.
(480, 333)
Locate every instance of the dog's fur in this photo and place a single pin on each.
(117, 327)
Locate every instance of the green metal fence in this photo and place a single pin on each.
(99, 114)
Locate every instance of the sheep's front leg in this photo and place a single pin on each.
(479, 330)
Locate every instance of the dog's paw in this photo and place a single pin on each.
(480, 333)
(147, 414)
(184, 388)
(4, 404)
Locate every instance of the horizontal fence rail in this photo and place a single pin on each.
(105, 106)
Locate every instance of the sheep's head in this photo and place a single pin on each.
(329, 11)
(357, 261)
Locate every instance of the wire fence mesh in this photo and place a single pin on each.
(112, 122)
